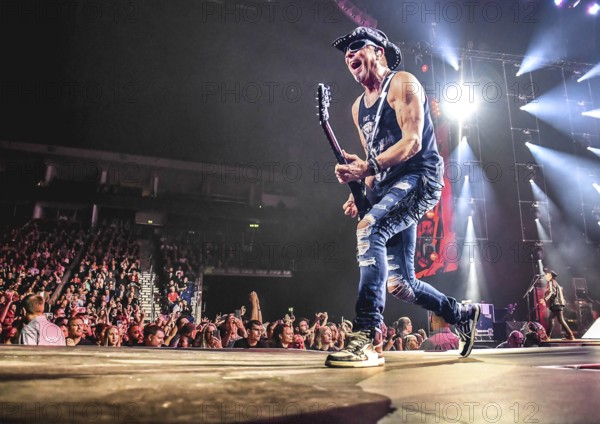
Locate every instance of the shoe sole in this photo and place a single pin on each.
(357, 364)
(473, 332)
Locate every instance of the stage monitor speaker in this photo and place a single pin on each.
(485, 326)
(593, 332)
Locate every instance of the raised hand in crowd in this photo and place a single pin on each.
(255, 311)
(321, 319)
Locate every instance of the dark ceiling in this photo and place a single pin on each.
(214, 81)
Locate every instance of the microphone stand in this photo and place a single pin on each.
(535, 279)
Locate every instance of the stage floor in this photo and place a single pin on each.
(103, 385)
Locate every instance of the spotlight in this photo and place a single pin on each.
(459, 105)
(593, 9)
(535, 211)
(592, 113)
(595, 71)
(558, 2)
(530, 107)
(538, 252)
(472, 208)
(527, 137)
(596, 214)
(532, 61)
(596, 186)
(594, 150)
(583, 139)
(531, 171)
(466, 131)
(450, 56)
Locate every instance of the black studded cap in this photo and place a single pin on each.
(392, 51)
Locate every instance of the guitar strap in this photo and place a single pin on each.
(382, 98)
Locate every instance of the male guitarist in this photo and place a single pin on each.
(404, 172)
(555, 301)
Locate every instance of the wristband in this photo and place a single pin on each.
(371, 168)
(374, 166)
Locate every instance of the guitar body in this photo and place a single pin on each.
(324, 99)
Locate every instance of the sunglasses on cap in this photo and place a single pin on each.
(359, 44)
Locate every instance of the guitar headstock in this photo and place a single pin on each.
(323, 99)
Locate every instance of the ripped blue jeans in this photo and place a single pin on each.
(386, 240)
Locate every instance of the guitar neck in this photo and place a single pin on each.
(355, 186)
(333, 143)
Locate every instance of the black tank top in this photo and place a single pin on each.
(427, 162)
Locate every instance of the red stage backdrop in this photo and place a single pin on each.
(435, 230)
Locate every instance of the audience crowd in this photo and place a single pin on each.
(99, 300)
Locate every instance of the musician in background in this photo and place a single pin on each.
(405, 174)
(555, 301)
(510, 312)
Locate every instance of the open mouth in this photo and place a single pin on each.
(355, 64)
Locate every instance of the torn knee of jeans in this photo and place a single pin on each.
(363, 231)
(362, 246)
(364, 226)
(366, 262)
(400, 289)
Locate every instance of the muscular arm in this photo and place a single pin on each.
(406, 97)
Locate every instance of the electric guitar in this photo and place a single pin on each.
(324, 99)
